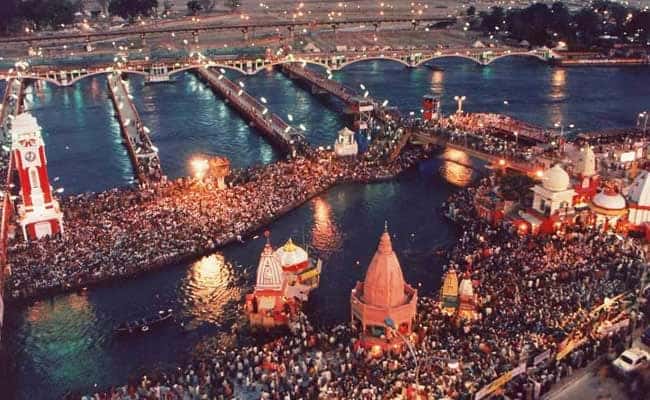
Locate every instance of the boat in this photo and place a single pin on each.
(143, 325)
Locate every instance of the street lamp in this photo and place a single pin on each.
(643, 121)
(391, 324)
(460, 100)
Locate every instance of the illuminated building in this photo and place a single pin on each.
(609, 208)
(552, 202)
(267, 306)
(39, 214)
(346, 145)
(381, 296)
(301, 273)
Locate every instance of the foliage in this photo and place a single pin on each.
(540, 24)
(48, 13)
(8, 13)
(232, 3)
(208, 5)
(194, 6)
(130, 9)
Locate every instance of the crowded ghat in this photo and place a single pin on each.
(121, 232)
(539, 308)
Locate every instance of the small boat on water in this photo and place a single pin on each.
(143, 325)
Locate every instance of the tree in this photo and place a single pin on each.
(208, 5)
(103, 4)
(587, 25)
(48, 13)
(194, 6)
(471, 11)
(129, 9)
(232, 3)
(490, 21)
(8, 14)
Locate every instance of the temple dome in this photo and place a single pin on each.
(556, 179)
(609, 201)
(269, 271)
(291, 255)
(384, 283)
(586, 163)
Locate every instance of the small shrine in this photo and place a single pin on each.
(552, 201)
(383, 296)
(268, 306)
(301, 273)
(449, 293)
(346, 145)
(285, 277)
(609, 208)
(467, 304)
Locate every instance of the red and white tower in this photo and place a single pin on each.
(39, 214)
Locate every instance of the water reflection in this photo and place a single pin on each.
(456, 168)
(558, 84)
(326, 237)
(209, 288)
(437, 80)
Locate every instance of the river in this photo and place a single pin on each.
(64, 344)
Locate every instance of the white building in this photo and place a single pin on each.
(345, 144)
(555, 193)
(638, 197)
(39, 214)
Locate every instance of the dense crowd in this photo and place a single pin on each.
(123, 231)
(535, 294)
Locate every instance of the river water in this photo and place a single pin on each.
(64, 344)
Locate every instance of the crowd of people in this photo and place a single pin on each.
(123, 231)
(535, 294)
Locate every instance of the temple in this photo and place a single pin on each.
(383, 296)
(285, 278)
(552, 201)
(346, 145)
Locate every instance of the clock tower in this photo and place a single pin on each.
(39, 214)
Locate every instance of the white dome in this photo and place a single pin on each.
(609, 201)
(291, 255)
(556, 179)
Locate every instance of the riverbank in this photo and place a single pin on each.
(531, 295)
(138, 222)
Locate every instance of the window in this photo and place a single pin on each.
(33, 178)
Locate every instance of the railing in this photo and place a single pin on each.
(277, 129)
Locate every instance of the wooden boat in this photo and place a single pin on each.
(143, 325)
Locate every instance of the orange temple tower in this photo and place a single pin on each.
(383, 296)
